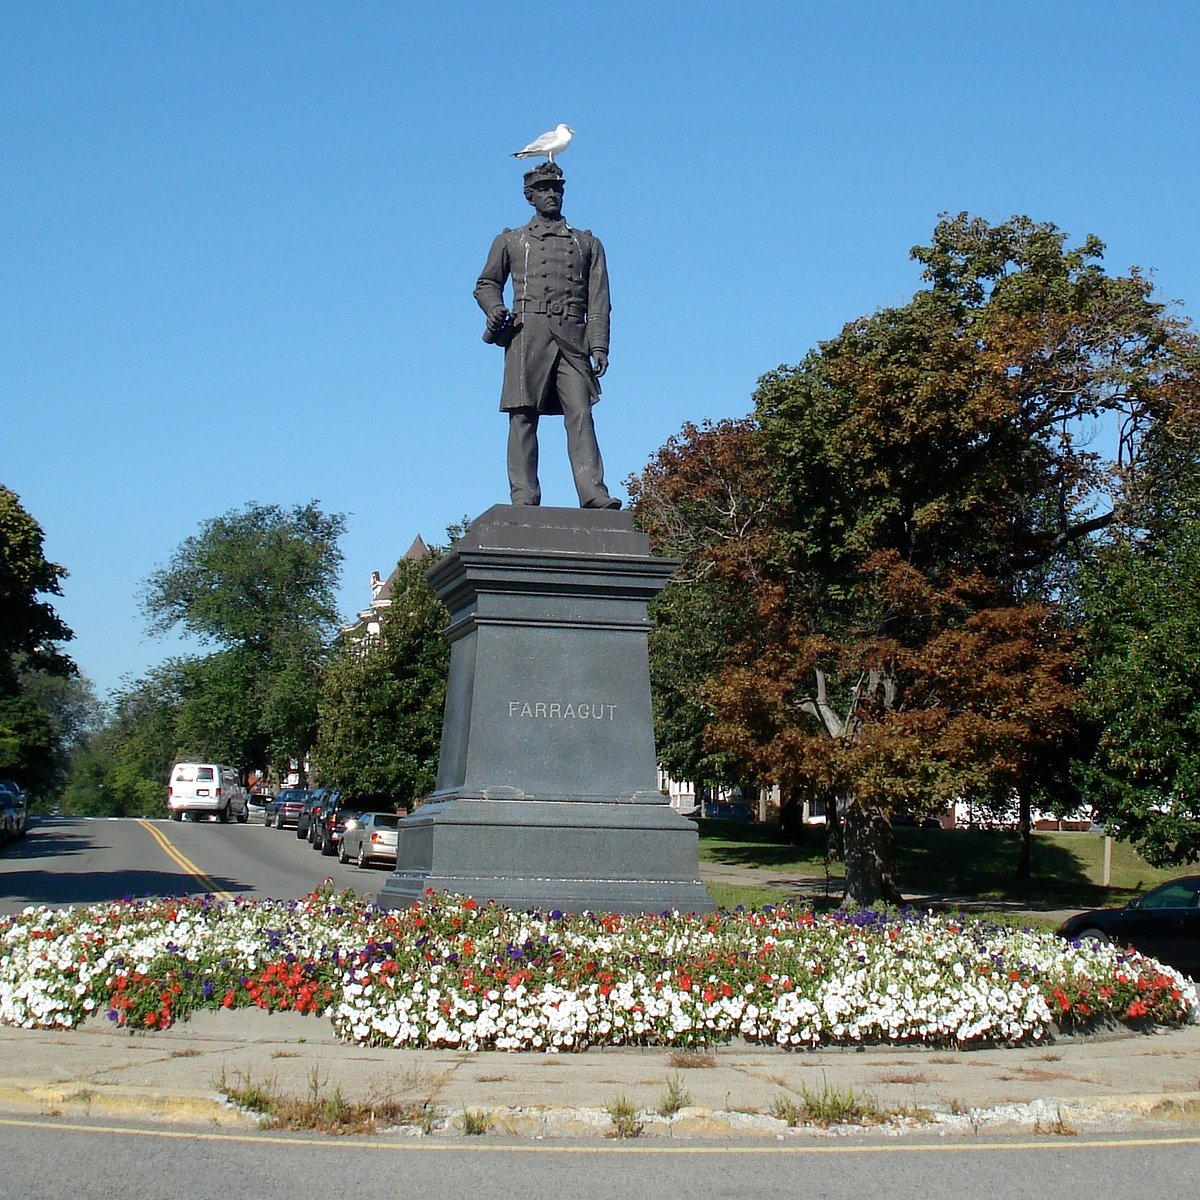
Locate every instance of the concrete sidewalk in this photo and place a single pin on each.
(1105, 1081)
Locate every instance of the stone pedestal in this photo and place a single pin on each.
(547, 784)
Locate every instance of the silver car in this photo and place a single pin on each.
(369, 837)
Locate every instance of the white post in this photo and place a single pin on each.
(1107, 860)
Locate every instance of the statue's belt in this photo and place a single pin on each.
(553, 308)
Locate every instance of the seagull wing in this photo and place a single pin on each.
(540, 145)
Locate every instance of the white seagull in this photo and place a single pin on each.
(549, 144)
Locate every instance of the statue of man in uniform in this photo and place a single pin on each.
(555, 337)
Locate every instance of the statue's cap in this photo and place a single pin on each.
(546, 172)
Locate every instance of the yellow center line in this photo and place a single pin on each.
(205, 880)
(409, 1146)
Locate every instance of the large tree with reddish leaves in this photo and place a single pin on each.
(927, 476)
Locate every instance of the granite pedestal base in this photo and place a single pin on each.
(547, 790)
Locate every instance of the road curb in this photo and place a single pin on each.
(81, 1099)
(1046, 1115)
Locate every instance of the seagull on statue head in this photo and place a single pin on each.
(549, 144)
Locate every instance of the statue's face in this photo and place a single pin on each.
(546, 198)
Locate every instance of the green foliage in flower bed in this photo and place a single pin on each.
(451, 972)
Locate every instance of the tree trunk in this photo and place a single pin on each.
(870, 855)
(835, 845)
(1024, 830)
(791, 814)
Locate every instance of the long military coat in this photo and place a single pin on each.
(560, 305)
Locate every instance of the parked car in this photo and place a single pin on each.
(1164, 923)
(726, 810)
(12, 822)
(206, 790)
(345, 813)
(257, 804)
(370, 837)
(324, 834)
(10, 819)
(314, 802)
(284, 811)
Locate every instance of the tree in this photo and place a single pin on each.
(381, 705)
(29, 626)
(121, 768)
(929, 478)
(41, 724)
(700, 499)
(259, 583)
(1140, 601)
(32, 739)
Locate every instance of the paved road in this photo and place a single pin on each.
(78, 861)
(46, 1157)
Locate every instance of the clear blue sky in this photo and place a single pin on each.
(238, 240)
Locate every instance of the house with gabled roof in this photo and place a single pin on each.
(363, 632)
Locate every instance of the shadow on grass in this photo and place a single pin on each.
(966, 863)
(982, 863)
(759, 844)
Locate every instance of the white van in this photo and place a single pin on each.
(206, 789)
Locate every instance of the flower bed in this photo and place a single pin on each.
(451, 972)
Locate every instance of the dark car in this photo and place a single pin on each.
(325, 830)
(284, 811)
(1164, 923)
(12, 811)
(319, 800)
(8, 819)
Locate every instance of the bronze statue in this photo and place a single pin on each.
(555, 337)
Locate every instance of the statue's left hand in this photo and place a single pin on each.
(599, 362)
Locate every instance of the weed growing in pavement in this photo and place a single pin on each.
(675, 1096)
(476, 1122)
(904, 1077)
(785, 1109)
(320, 1111)
(826, 1105)
(1059, 1127)
(624, 1116)
(692, 1060)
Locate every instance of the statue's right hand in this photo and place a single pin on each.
(497, 318)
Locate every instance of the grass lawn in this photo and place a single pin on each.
(1067, 868)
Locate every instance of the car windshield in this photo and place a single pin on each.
(1179, 893)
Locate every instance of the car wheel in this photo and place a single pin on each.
(327, 846)
(223, 815)
(1097, 935)
(362, 855)
(243, 816)
(177, 816)
(343, 857)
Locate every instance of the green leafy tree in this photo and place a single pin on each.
(121, 768)
(1140, 601)
(29, 626)
(1143, 610)
(381, 704)
(259, 583)
(32, 732)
